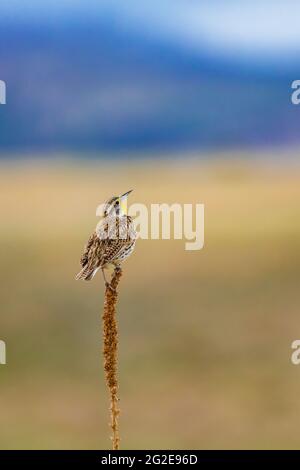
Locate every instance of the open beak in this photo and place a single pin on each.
(126, 194)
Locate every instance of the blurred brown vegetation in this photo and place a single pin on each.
(205, 337)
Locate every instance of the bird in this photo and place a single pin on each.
(111, 243)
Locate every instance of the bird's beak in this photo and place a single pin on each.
(123, 202)
(126, 194)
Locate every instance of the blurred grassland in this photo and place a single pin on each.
(204, 336)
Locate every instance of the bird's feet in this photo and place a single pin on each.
(110, 287)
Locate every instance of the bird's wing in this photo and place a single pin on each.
(113, 248)
(87, 249)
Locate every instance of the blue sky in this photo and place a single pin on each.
(256, 28)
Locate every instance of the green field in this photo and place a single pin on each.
(205, 337)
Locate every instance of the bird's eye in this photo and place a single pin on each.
(117, 203)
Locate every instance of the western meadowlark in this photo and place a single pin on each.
(112, 241)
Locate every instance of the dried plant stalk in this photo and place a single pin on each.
(110, 350)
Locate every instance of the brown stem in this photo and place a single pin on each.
(110, 349)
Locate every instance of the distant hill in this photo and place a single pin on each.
(91, 86)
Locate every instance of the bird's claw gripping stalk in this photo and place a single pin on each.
(110, 287)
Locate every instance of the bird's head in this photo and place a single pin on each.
(116, 205)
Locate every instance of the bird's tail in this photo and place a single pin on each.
(86, 274)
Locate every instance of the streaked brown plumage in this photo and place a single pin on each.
(111, 243)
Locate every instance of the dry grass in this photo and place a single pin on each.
(110, 352)
(213, 373)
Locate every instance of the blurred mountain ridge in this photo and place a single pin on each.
(100, 86)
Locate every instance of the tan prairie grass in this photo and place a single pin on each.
(213, 372)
